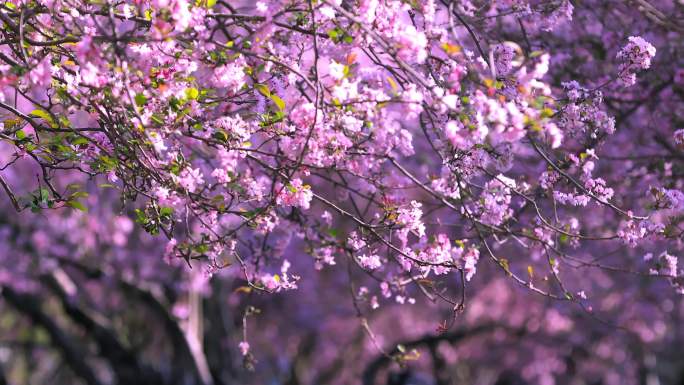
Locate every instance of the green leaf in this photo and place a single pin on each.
(503, 262)
(140, 216)
(77, 205)
(546, 112)
(79, 141)
(333, 34)
(263, 89)
(44, 195)
(64, 122)
(45, 116)
(140, 99)
(278, 101)
(157, 119)
(392, 83)
(192, 93)
(337, 35)
(220, 136)
(78, 194)
(108, 163)
(20, 135)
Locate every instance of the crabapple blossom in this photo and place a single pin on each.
(211, 192)
(635, 56)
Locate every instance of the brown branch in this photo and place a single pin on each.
(124, 361)
(370, 373)
(72, 353)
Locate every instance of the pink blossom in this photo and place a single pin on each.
(503, 58)
(41, 75)
(170, 251)
(410, 218)
(679, 138)
(634, 57)
(230, 77)
(470, 259)
(190, 179)
(244, 347)
(336, 70)
(181, 15)
(495, 200)
(412, 44)
(296, 193)
(370, 262)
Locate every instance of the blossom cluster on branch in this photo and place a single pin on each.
(411, 142)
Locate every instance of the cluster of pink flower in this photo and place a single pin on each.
(369, 131)
(635, 56)
(495, 201)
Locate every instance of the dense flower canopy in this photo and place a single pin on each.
(331, 190)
